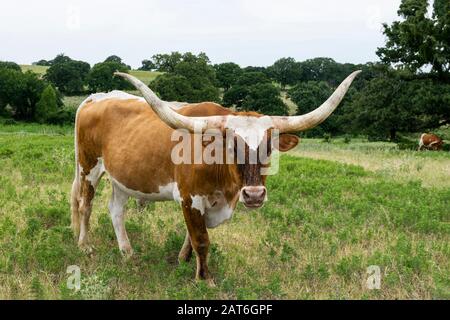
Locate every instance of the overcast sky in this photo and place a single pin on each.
(249, 32)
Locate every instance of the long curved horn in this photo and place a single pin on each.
(317, 116)
(172, 118)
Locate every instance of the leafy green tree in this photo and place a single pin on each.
(68, 75)
(236, 95)
(101, 77)
(9, 84)
(47, 105)
(60, 58)
(254, 91)
(21, 92)
(10, 65)
(42, 62)
(117, 59)
(192, 80)
(388, 105)
(264, 98)
(325, 69)
(167, 62)
(310, 95)
(227, 74)
(266, 71)
(147, 65)
(286, 71)
(419, 41)
(252, 78)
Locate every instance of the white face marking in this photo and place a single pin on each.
(250, 129)
(168, 192)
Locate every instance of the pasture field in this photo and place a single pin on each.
(144, 76)
(334, 210)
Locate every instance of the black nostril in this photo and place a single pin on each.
(245, 193)
(263, 193)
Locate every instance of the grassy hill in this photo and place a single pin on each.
(144, 76)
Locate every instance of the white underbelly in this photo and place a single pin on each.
(214, 207)
(167, 192)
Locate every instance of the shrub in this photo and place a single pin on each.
(47, 105)
(327, 137)
(347, 138)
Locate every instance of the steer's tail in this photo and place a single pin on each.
(75, 194)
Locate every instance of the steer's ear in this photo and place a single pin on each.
(286, 142)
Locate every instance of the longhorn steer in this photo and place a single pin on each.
(130, 138)
(430, 141)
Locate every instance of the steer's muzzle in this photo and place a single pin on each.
(253, 196)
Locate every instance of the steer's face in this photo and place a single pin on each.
(252, 147)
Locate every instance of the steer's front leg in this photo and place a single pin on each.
(196, 226)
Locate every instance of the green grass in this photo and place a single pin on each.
(144, 76)
(326, 221)
(41, 70)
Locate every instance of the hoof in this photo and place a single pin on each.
(127, 253)
(86, 249)
(209, 281)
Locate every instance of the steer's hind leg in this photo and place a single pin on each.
(198, 233)
(186, 251)
(87, 189)
(74, 206)
(83, 192)
(117, 209)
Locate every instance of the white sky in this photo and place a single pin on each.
(248, 32)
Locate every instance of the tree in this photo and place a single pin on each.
(192, 79)
(147, 65)
(252, 78)
(310, 95)
(101, 77)
(227, 74)
(264, 98)
(47, 105)
(419, 41)
(388, 105)
(21, 91)
(286, 71)
(236, 95)
(9, 84)
(60, 58)
(167, 62)
(118, 60)
(42, 62)
(325, 69)
(10, 65)
(253, 91)
(68, 75)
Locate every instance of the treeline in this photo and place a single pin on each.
(408, 91)
(26, 96)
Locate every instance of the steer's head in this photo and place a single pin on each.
(248, 138)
